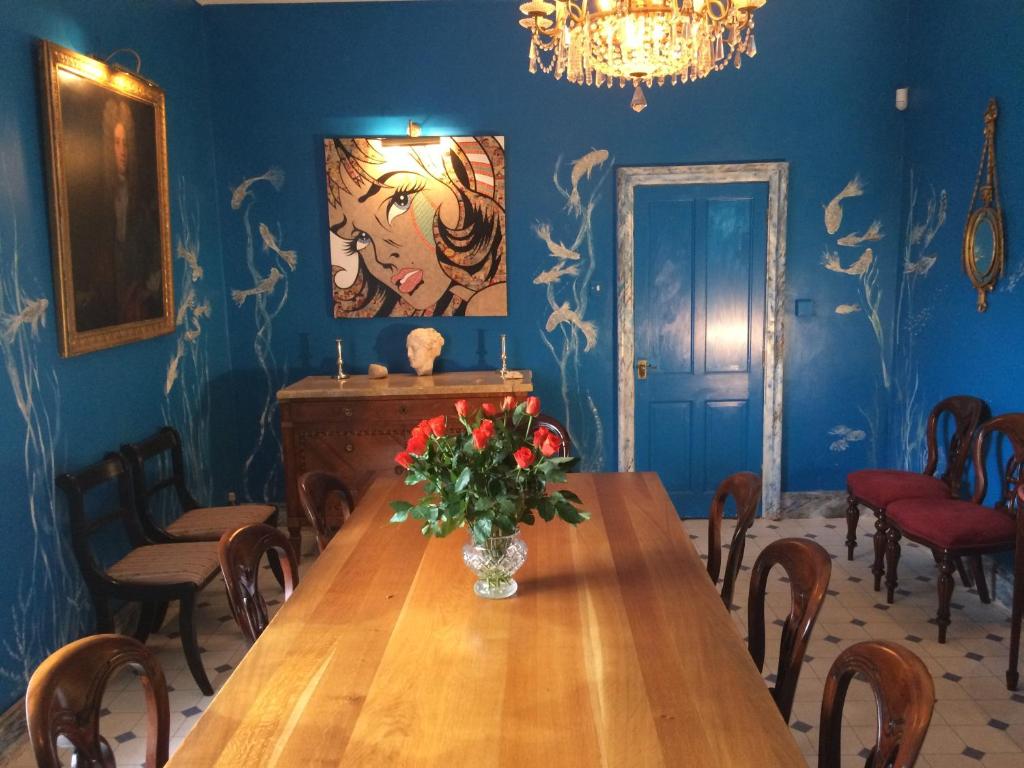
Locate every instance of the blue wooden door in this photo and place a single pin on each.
(699, 273)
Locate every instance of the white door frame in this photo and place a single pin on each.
(776, 175)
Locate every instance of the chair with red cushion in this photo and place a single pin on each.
(954, 528)
(877, 488)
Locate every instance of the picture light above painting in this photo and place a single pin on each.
(417, 228)
(109, 220)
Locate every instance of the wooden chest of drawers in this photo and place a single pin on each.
(354, 428)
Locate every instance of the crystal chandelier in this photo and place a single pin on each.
(643, 42)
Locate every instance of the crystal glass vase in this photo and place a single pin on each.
(495, 562)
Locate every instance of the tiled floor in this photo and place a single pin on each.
(976, 722)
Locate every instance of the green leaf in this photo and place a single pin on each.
(401, 511)
(481, 528)
(464, 477)
(571, 515)
(570, 496)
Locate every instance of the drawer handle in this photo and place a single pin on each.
(349, 448)
(403, 409)
(347, 411)
(399, 470)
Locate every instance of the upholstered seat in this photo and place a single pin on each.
(209, 523)
(953, 524)
(880, 487)
(181, 563)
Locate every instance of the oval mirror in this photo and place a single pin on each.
(983, 245)
(983, 255)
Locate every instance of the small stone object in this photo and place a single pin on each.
(376, 371)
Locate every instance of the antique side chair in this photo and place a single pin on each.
(327, 504)
(555, 426)
(65, 695)
(904, 699)
(809, 568)
(745, 489)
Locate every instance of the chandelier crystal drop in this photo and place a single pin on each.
(641, 42)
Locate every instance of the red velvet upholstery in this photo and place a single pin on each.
(880, 487)
(953, 524)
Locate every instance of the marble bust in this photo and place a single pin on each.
(423, 345)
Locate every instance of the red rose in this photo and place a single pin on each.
(540, 435)
(437, 425)
(490, 409)
(417, 443)
(483, 434)
(403, 459)
(552, 444)
(532, 405)
(523, 457)
(423, 426)
(462, 408)
(508, 403)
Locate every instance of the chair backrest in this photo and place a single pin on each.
(165, 441)
(240, 552)
(808, 567)
(555, 426)
(967, 412)
(65, 695)
(745, 489)
(1010, 426)
(76, 486)
(318, 491)
(904, 696)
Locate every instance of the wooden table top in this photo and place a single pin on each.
(360, 386)
(617, 651)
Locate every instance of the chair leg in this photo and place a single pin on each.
(978, 571)
(852, 518)
(147, 612)
(878, 567)
(946, 584)
(965, 577)
(187, 630)
(160, 615)
(892, 561)
(1012, 675)
(274, 561)
(104, 616)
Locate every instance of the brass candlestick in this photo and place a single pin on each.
(504, 359)
(340, 375)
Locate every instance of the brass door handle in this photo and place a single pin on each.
(642, 366)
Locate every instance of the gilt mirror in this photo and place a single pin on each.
(983, 249)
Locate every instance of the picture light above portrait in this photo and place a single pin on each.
(412, 138)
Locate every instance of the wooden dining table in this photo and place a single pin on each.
(616, 651)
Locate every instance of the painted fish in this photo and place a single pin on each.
(32, 314)
(270, 244)
(847, 309)
(581, 169)
(187, 302)
(556, 273)
(571, 317)
(830, 260)
(834, 210)
(191, 258)
(172, 368)
(275, 176)
(203, 310)
(845, 437)
(556, 249)
(920, 267)
(263, 287)
(873, 234)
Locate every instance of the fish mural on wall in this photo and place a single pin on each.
(186, 386)
(266, 297)
(844, 437)
(567, 333)
(50, 606)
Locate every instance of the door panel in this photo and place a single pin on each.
(699, 319)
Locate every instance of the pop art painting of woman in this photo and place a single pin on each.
(417, 230)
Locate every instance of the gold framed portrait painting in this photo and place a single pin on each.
(417, 226)
(109, 218)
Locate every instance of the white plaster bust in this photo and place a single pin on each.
(423, 345)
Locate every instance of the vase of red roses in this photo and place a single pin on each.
(489, 475)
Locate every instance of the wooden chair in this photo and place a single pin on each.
(808, 567)
(240, 553)
(745, 489)
(877, 488)
(65, 694)
(150, 574)
(1017, 614)
(954, 528)
(195, 523)
(327, 503)
(904, 696)
(554, 425)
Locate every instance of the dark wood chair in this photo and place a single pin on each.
(65, 695)
(1017, 615)
(904, 696)
(157, 465)
(327, 504)
(554, 425)
(877, 488)
(808, 567)
(954, 528)
(745, 490)
(240, 553)
(149, 574)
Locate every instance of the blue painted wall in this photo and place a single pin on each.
(85, 406)
(285, 77)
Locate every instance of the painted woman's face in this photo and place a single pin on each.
(389, 224)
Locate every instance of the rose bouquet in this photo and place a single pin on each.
(490, 476)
